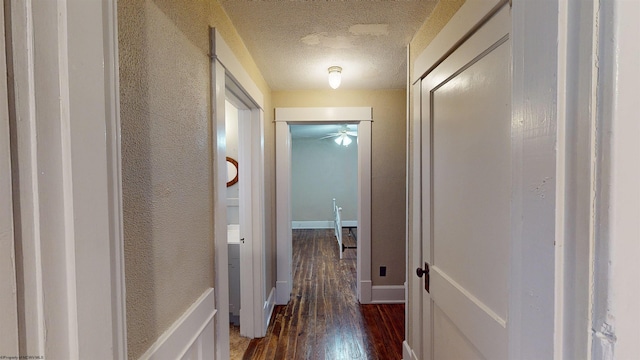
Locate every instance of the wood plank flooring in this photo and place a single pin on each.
(324, 320)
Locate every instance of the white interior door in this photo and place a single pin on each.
(248, 313)
(466, 162)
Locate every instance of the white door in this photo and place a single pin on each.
(246, 232)
(466, 182)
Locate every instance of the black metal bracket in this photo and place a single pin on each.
(353, 235)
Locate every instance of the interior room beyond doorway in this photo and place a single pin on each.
(324, 167)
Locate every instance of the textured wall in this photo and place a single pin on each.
(320, 171)
(388, 168)
(440, 16)
(167, 160)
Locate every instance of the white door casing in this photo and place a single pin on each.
(68, 175)
(229, 75)
(412, 347)
(289, 116)
(250, 181)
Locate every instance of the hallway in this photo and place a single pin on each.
(113, 179)
(324, 320)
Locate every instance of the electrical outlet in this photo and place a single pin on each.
(383, 271)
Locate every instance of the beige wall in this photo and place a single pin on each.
(167, 157)
(388, 169)
(441, 14)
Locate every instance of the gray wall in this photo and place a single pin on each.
(320, 171)
(167, 158)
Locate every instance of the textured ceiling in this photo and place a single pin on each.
(294, 42)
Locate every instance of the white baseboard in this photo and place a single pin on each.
(407, 352)
(365, 292)
(387, 294)
(283, 293)
(191, 336)
(321, 224)
(312, 224)
(268, 308)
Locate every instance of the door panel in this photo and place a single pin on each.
(472, 178)
(467, 166)
(449, 342)
(247, 313)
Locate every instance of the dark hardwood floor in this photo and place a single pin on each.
(324, 320)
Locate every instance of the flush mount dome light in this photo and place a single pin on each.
(335, 76)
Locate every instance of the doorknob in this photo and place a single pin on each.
(421, 272)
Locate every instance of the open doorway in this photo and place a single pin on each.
(324, 183)
(244, 214)
(231, 84)
(233, 226)
(285, 118)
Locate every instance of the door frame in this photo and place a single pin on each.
(251, 214)
(67, 190)
(284, 117)
(228, 76)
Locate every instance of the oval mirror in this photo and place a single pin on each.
(232, 171)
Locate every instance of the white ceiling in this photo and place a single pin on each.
(295, 41)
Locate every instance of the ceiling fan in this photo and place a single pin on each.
(342, 136)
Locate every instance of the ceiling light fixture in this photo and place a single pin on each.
(335, 76)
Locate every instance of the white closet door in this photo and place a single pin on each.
(466, 114)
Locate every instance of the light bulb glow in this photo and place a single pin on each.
(335, 76)
(343, 140)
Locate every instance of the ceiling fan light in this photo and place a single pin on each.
(346, 141)
(338, 140)
(335, 76)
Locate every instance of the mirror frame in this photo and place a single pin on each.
(235, 179)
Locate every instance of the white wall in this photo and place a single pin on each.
(320, 171)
